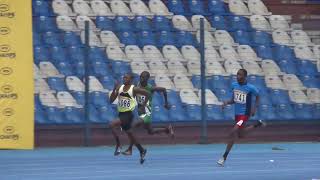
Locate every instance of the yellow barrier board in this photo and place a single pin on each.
(16, 75)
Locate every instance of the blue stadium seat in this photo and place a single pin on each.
(219, 82)
(97, 54)
(303, 111)
(177, 113)
(100, 69)
(159, 114)
(310, 81)
(40, 53)
(176, 7)
(228, 112)
(185, 38)
(196, 7)
(285, 112)
(65, 68)
(264, 98)
(279, 96)
(127, 38)
(146, 38)
(54, 115)
(288, 66)
(120, 68)
(217, 7)
(79, 69)
(157, 99)
(165, 38)
(76, 54)
(57, 84)
(142, 23)
(194, 112)
(219, 22)
(214, 113)
(98, 99)
(306, 67)
(264, 52)
(267, 112)
(40, 115)
(261, 38)
(58, 54)
(257, 81)
(316, 111)
(37, 40)
(79, 97)
(71, 39)
(239, 23)
(161, 23)
(107, 82)
(94, 116)
(282, 52)
(123, 23)
(242, 37)
(73, 115)
(174, 98)
(45, 24)
(107, 113)
(104, 23)
(41, 8)
(52, 39)
(196, 81)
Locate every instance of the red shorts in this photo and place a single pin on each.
(241, 120)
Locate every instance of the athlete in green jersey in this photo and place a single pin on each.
(145, 116)
(126, 94)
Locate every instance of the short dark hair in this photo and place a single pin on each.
(244, 71)
(130, 75)
(146, 72)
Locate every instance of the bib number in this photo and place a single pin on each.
(141, 99)
(124, 103)
(240, 97)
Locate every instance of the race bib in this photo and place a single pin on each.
(141, 99)
(240, 97)
(124, 103)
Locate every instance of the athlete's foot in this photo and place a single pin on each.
(262, 123)
(171, 131)
(221, 161)
(128, 152)
(142, 156)
(117, 151)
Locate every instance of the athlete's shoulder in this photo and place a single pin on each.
(234, 84)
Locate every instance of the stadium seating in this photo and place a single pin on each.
(163, 37)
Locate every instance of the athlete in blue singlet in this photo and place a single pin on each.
(243, 93)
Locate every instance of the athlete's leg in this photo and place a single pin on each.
(115, 124)
(133, 139)
(244, 131)
(232, 138)
(128, 152)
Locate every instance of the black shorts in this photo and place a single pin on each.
(126, 119)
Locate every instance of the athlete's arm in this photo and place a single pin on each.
(256, 104)
(164, 92)
(231, 101)
(115, 92)
(141, 91)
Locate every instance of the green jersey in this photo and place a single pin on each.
(141, 100)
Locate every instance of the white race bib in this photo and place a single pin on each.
(124, 103)
(240, 97)
(141, 99)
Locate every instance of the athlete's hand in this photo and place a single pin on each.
(224, 104)
(167, 106)
(116, 85)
